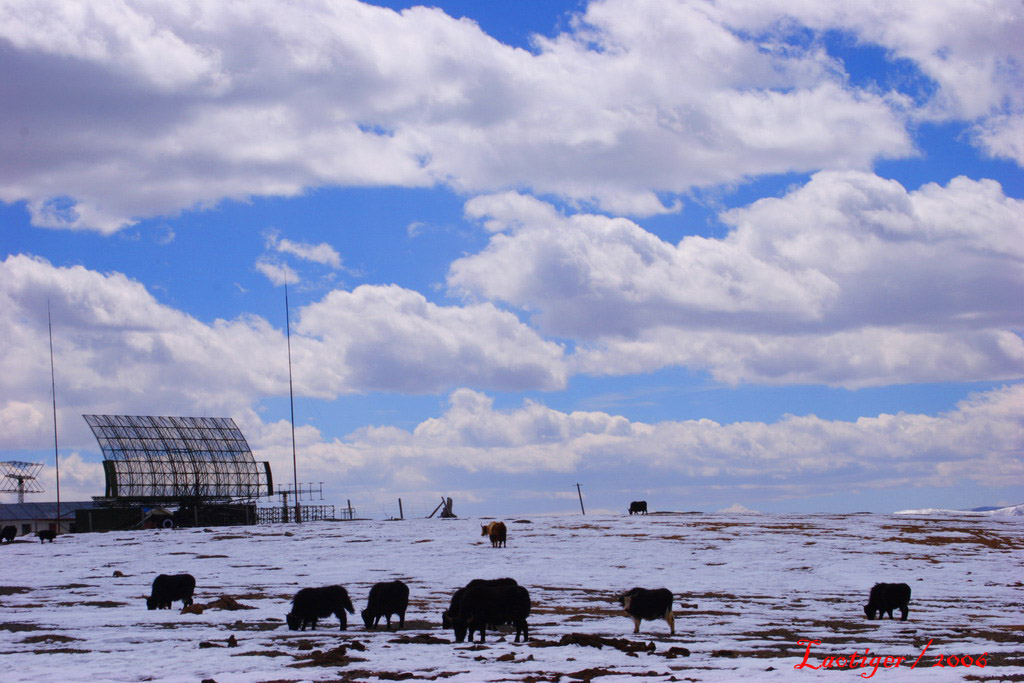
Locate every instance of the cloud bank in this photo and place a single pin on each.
(117, 346)
(977, 442)
(123, 110)
(119, 350)
(849, 280)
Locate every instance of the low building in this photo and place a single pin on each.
(29, 518)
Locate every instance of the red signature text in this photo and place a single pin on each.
(871, 663)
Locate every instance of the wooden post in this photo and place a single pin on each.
(401, 515)
(580, 494)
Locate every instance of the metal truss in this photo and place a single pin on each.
(310, 513)
(166, 459)
(20, 477)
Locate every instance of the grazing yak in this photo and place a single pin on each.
(885, 597)
(638, 507)
(311, 604)
(8, 533)
(483, 605)
(448, 615)
(497, 533)
(643, 604)
(168, 588)
(46, 535)
(386, 599)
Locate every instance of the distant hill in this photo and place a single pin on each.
(1012, 511)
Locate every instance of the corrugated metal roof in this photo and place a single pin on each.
(16, 511)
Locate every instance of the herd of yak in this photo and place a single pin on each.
(9, 532)
(480, 603)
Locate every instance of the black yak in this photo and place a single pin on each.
(641, 604)
(8, 533)
(46, 535)
(638, 507)
(386, 599)
(168, 588)
(885, 597)
(483, 605)
(447, 615)
(311, 604)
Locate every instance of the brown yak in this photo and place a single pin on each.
(497, 533)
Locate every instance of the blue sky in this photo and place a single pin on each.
(705, 254)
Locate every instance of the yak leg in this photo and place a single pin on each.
(636, 625)
(671, 620)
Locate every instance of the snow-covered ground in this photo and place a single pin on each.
(747, 587)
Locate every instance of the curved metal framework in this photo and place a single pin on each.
(167, 459)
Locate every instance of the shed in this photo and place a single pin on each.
(31, 517)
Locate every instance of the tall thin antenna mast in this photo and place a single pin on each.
(291, 400)
(53, 388)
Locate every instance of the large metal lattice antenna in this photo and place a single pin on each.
(19, 477)
(160, 460)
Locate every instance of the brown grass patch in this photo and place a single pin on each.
(993, 542)
(94, 603)
(13, 590)
(784, 634)
(1005, 634)
(410, 625)
(591, 640)
(361, 675)
(596, 672)
(48, 638)
(995, 659)
(335, 657)
(843, 625)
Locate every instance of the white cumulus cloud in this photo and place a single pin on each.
(849, 280)
(118, 350)
(472, 441)
(123, 110)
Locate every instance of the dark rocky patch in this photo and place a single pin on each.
(48, 638)
(420, 639)
(590, 640)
